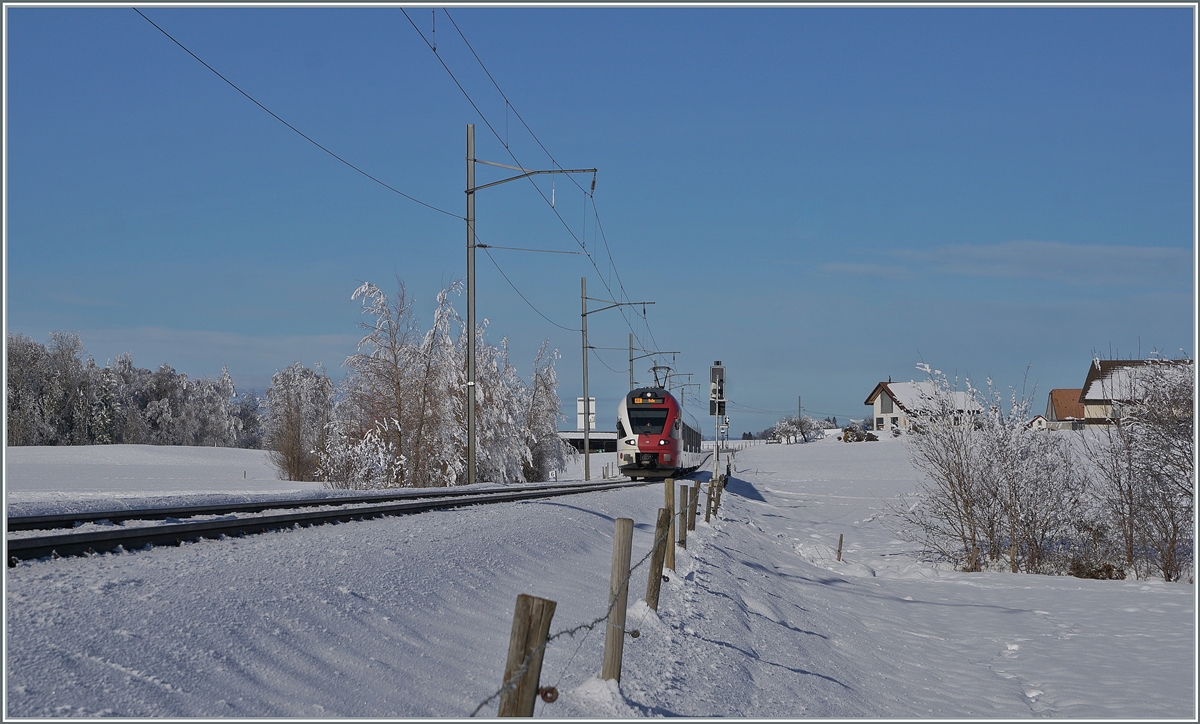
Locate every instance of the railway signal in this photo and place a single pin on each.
(716, 389)
(716, 407)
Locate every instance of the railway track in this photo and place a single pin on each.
(228, 524)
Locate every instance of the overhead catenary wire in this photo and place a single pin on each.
(601, 360)
(778, 412)
(589, 197)
(504, 142)
(293, 128)
(518, 248)
(522, 296)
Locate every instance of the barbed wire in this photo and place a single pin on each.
(512, 683)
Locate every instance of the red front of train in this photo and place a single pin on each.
(649, 435)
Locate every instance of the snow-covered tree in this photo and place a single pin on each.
(548, 450)
(248, 408)
(798, 429)
(439, 428)
(28, 372)
(57, 396)
(299, 404)
(416, 382)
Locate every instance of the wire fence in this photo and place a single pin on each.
(512, 683)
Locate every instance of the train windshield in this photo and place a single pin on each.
(647, 422)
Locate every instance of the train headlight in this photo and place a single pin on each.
(662, 442)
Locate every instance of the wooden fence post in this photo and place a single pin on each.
(662, 529)
(526, 646)
(839, 547)
(682, 524)
(618, 598)
(693, 502)
(670, 503)
(708, 501)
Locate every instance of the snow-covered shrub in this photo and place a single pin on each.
(946, 513)
(368, 463)
(995, 492)
(1142, 472)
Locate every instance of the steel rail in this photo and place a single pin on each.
(175, 534)
(70, 520)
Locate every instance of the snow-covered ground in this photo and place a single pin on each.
(410, 616)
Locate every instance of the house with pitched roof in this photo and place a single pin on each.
(1109, 384)
(1064, 411)
(894, 405)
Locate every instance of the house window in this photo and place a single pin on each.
(895, 421)
(885, 403)
(879, 423)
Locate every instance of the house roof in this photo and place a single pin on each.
(1064, 405)
(911, 397)
(1111, 379)
(1118, 379)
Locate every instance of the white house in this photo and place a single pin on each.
(894, 404)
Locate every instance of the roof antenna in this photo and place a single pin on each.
(434, 14)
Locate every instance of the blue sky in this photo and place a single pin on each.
(819, 197)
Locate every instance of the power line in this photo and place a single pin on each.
(601, 360)
(522, 296)
(508, 103)
(518, 248)
(504, 143)
(430, 206)
(298, 131)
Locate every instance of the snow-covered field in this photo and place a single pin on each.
(410, 616)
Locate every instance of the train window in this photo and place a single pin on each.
(647, 422)
(620, 430)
